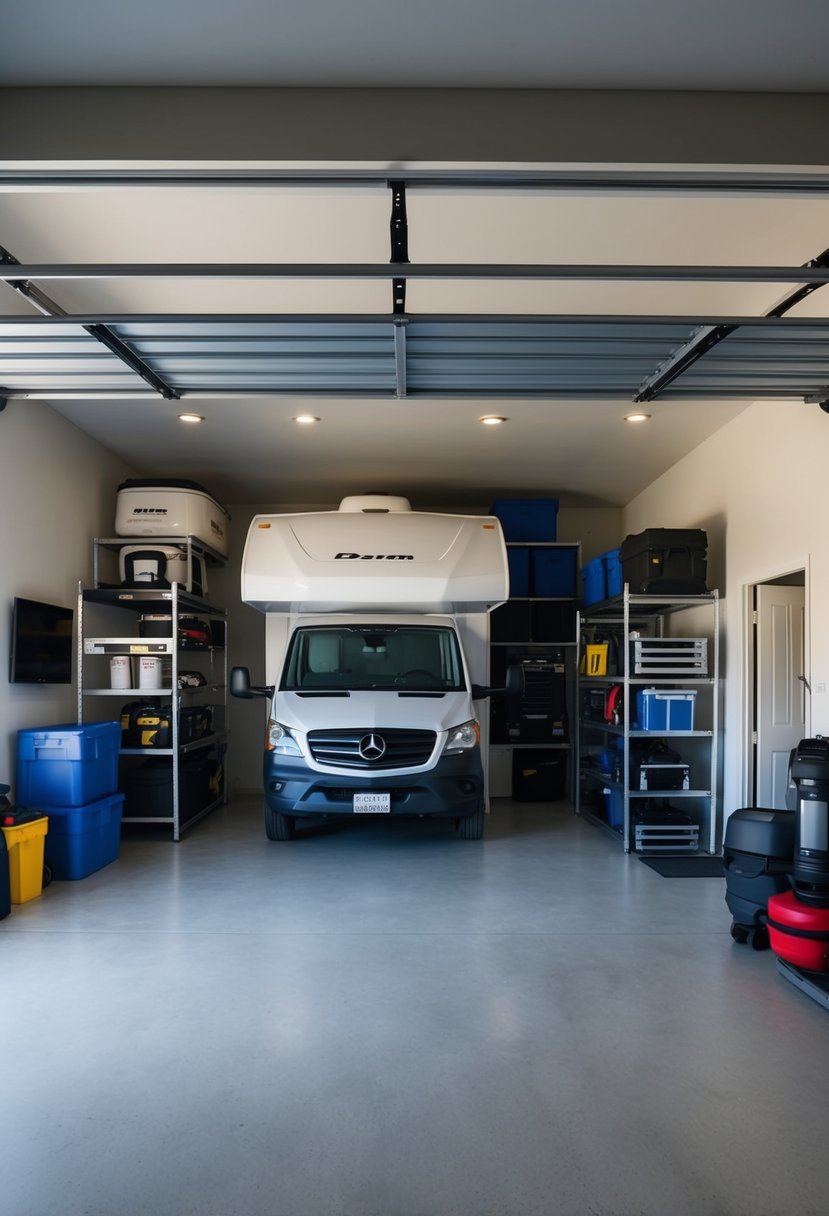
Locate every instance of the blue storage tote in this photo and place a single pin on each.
(526, 518)
(553, 573)
(614, 807)
(612, 562)
(67, 765)
(83, 839)
(594, 586)
(665, 709)
(519, 572)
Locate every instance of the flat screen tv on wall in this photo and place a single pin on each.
(41, 643)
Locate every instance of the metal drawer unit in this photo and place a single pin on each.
(669, 656)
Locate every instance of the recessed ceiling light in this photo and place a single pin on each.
(637, 417)
(306, 419)
(188, 417)
(493, 419)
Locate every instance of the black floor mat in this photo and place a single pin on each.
(686, 867)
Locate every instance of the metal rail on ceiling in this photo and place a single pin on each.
(752, 181)
(604, 272)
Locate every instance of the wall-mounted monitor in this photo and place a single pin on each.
(41, 643)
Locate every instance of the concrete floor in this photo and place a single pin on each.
(382, 1020)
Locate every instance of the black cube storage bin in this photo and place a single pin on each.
(510, 622)
(758, 857)
(539, 776)
(551, 622)
(666, 561)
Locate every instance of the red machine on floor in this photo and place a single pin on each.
(798, 920)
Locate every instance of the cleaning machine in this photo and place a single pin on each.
(797, 914)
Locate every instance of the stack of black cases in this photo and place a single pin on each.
(665, 561)
(758, 853)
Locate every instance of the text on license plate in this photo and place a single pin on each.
(372, 804)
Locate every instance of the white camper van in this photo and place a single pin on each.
(377, 632)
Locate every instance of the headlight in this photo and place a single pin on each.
(462, 738)
(280, 740)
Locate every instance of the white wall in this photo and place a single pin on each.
(58, 491)
(758, 487)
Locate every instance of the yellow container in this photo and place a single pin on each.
(594, 659)
(24, 845)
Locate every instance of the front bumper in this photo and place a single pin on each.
(453, 788)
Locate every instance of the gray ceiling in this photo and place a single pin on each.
(542, 350)
(753, 45)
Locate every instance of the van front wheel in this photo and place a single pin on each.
(471, 827)
(277, 826)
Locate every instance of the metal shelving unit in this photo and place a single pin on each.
(540, 646)
(623, 616)
(108, 619)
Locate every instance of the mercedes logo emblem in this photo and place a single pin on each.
(371, 747)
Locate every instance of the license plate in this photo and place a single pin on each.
(372, 804)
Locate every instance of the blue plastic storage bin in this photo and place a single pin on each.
(83, 839)
(67, 765)
(519, 572)
(527, 519)
(594, 587)
(614, 807)
(665, 709)
(614, 583)
(553, 573)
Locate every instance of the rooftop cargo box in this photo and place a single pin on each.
(147, 507)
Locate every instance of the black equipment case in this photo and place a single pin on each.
(666, 561)
(758, 855)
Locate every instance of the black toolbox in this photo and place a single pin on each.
(758, 857)
(666, 561)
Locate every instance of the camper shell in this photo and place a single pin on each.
(377, 650)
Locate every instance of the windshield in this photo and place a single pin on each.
(414, 658)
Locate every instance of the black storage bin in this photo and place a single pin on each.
(666, 561)
(538, 776)
(148, 787)
(552, 622)
(758, 855)
(510, 622)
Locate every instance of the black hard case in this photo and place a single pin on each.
(666, 561)
(758, 856)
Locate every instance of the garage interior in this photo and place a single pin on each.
(399, 224)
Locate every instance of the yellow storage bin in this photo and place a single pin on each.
(594, 659)
(24, 844)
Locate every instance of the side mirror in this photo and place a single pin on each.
(240, 685)
(513, 687)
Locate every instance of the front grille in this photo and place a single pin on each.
(404, 748)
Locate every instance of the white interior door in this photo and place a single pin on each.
(781, 693)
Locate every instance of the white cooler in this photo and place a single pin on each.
(161, 566)
(171, 508)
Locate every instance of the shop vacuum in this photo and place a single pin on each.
(798, 919)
